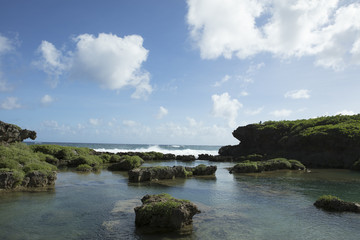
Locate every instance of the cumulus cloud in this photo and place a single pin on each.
(46, 99)
(10, 103)
(329, 30)
(225, 107)
(281, 113)
(111, 61)
(162, 112)
(298, 94)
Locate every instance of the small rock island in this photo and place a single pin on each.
(163, 212)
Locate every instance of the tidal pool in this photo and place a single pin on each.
(273, 205)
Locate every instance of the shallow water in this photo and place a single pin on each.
(274, 205)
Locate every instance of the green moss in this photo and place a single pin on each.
(115, 159)
(328, 198)
(84, 168)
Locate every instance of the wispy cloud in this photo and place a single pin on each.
(281, 113)
(46, 99)
(298, 94)
(162, 112)
(222, 81)
(10, 103)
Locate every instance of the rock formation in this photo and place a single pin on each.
(158, 173)
(164, 213)
(331, 142)
(35, 179)
(10, 133)
(334, 204)
(269, 165)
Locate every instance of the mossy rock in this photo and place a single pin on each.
(269, 165)
(335, 204)
(163, 212)
(127, 163)
(84, 168)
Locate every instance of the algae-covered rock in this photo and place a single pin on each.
(162, 212)
(158, 173)
(126, 163)
(269, 165)
(332, 203)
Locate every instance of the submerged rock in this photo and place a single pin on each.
(158, 173)
(334, 204)
(162, 212)
(10, 133)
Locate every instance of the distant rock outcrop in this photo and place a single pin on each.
(158, 173)
(10, 133)
(334, 204)
(324, 142)
(162, 212)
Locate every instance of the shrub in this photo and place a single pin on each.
(84, 168)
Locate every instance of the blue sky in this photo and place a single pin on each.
(174, 72)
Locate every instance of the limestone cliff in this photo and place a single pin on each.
(10, 133)
(320, 142)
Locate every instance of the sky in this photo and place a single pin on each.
(174, 71)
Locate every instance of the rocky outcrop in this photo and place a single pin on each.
(158, 173)
(269, 165)
(35, 179)
(10, 133)
(334, 204)
(162, 212)
(325, 142)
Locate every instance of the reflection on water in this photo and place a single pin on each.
(271, 205)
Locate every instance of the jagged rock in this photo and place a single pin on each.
(324, 142)
(158, 173)
(8, 180)
(39, 179)
(10, 133)
(332, 203)
(162, 212)
(203, 170)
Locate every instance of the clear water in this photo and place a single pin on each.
(275, 205)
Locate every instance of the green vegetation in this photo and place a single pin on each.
(70, 156)
(21, 160)
(328, 198)
(269, 165)
(84, 168)
(125, 163)
(163, 207)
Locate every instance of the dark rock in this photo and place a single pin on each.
(158, 173)
(334, 204)
(185, 158)
(39, 179)
(202, 170)
(164, 213)
(8, 180)
(10, 133)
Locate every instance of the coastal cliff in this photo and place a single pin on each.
(10, 133)
(324, 142)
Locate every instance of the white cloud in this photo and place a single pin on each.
(192, 122)
(129, 123)
(346, 112)
(222, 81)
(111, 61)
(326, 29)
(281, 113)
(46, 99)
(298, 94)
(10, 103)
(225, 107)
(244, 93)
(94, 121)
(162, 112)
(5, 45)
(52, 62)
